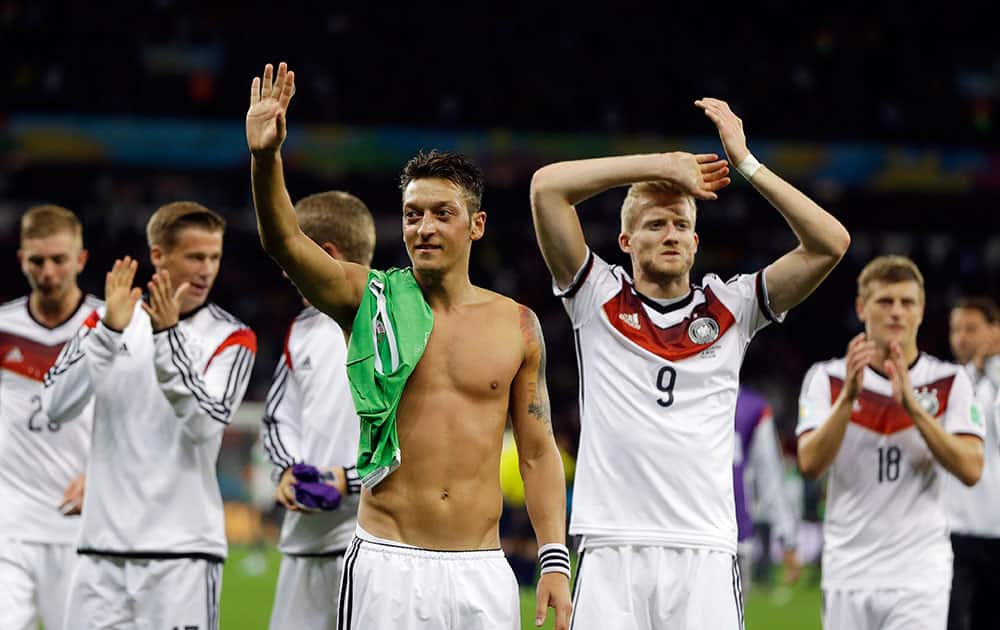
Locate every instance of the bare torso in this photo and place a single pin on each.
(450, 421)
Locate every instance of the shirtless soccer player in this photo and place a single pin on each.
(659, 376)
(310, 419)
(889, 422)
(165, 377)
(427, 552)
(41, 462)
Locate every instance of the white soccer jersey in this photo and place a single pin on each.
(161, 403)
(38, 458)
(310, 418)
(885, 524)
(975, 511)
(658, 389)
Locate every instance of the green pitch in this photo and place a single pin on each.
(250, 575)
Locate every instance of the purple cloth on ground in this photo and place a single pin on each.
(311, 492)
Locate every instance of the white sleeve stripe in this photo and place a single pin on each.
(218, 411)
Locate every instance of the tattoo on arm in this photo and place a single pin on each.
(534, 343)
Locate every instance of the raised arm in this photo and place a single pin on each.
(959, 454)
(70, 383)
(334, 287)
(541, 465)
(818, 448)
(203, 401)
(557, 188)
(823, 240)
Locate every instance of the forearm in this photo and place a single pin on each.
(545, 495)
(961, 457)
(276, 220)
(818, 448)
(819, 233)
(577, 181)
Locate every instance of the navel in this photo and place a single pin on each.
(444, 495)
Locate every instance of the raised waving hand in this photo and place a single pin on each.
(268, 106)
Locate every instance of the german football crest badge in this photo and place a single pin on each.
(928, 400)
(703, 330)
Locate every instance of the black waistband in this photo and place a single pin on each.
(318, 554)
(152, 555)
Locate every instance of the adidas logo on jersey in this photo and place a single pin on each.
(123, 349)
(14, 356)
(631, 319)
(307, 364)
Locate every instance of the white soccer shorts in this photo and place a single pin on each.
(140, 594)
(389, 585)
(306, 595)
(885, 609)
(639, 587)
(34, 581)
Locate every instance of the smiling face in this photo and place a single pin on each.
(659, 235)
(51, 265)
(194, 258)
(438, 229)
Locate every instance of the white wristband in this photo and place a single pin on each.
(553, 558)
(749, 166)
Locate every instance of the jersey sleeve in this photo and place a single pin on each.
(280, 430)
(752, 308)
(815, 405)
(204, 402)
(963, 414)
(68, 386)
(769, 473)
(582, 298)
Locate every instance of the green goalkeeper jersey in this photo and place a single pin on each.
(389, 335)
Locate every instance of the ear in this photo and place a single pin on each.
(625, 242)
(81, 259)
(20, 256)
(477, 227)
(332, 250)
(696, 241)
(156, 255)
(859, 309)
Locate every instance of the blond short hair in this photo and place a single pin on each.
(169, 220)
(47, 219)
(630, 207)
(342, 219)
(889, 270)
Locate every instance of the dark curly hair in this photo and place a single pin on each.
(454, 167)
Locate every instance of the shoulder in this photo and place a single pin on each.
(15, 310)
(221, 325)
(830, 367)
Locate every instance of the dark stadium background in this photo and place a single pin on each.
(888, 117)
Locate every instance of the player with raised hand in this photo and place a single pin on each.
(41, 462)
(165, 378)
(310, 427)
(427, 534)
(888, 422)
(659, 375)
